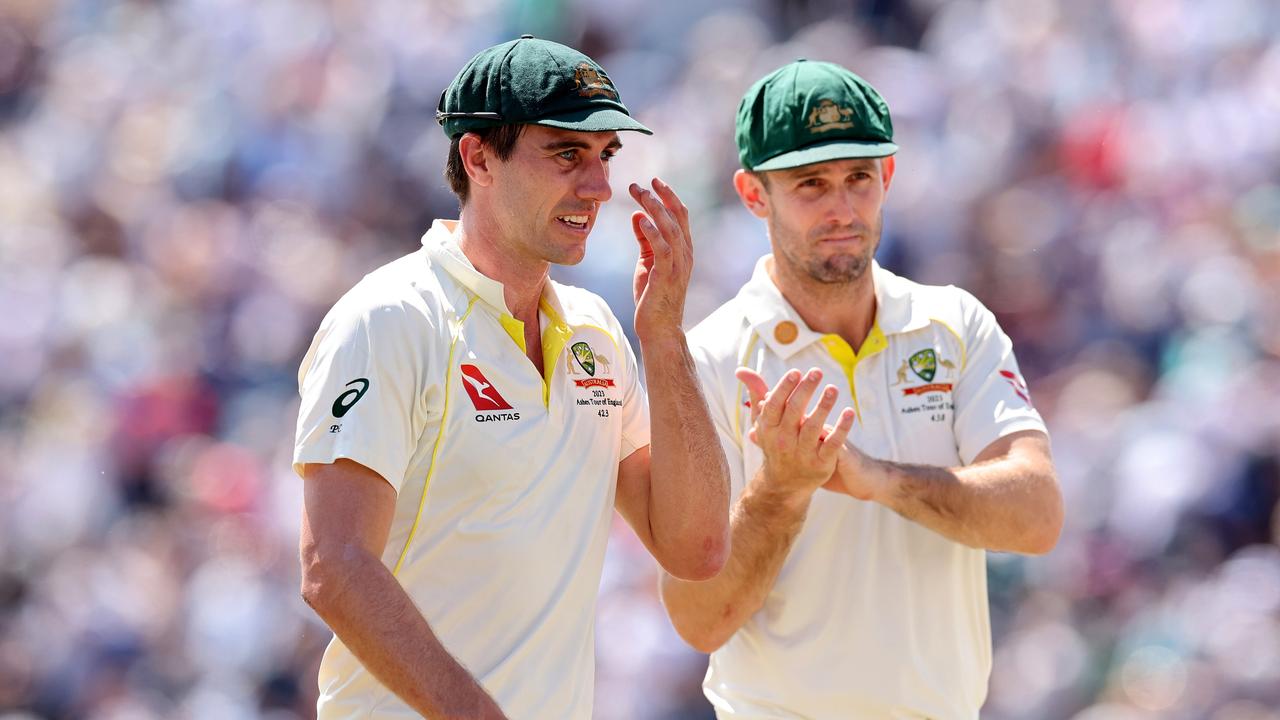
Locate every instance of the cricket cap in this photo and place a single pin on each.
(808, 112)
(537, 82)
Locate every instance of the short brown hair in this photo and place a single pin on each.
(501, 138)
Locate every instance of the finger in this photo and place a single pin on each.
(678, 211)
(659, 214)
(776, 401)
(835, 439)
(799, 400)
(661, 249)
(811, 430)
(646, 249)
(757, 388)
(672, 201)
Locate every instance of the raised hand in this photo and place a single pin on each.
(800, 451)
(666, 258)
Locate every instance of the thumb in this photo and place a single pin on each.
(757, 388)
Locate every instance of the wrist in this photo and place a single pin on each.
(660, 334)
(788, 499)
(882, 482)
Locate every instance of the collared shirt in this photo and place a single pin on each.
(505, 477)
(872, 615)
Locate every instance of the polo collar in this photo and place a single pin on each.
(785, 332)
(441, 243)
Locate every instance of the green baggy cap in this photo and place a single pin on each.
(537, 82)
(809, 112)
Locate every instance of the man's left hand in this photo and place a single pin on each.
(858, 475)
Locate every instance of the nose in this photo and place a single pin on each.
(841, 208)
(594, 182)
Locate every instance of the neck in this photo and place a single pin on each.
(522, 277)
(844, 309)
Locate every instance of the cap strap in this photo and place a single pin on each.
(442, 116)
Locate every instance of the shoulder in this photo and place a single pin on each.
(401, 295)
(583, 307)
(953, 307)
(719, 338)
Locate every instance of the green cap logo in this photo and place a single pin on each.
(586, 359)
(925, 364)
(829, 116)
(536, 82)
(810, 112)
(593, 83)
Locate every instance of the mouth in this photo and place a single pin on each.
(578, 223)
(840, 240)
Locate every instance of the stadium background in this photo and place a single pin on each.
(187, 185)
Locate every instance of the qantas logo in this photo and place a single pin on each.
(484, 396)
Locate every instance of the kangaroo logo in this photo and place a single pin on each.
(484, 396)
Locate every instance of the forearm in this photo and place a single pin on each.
(1003, 505)
(764, 524)
(365, 606)
(689, 487)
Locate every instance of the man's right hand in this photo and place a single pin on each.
(800, 452)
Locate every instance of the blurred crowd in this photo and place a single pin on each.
(187, 185)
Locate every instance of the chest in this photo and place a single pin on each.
(903, 394)
(508, 424)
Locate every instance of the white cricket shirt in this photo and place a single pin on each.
(872, 615)
(505, 478)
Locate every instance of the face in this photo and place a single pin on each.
(824, 219)
(546, 196)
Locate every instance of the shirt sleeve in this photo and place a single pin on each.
(635, 404)
(361, 385)
(992, 399)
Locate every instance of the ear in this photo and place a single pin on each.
(887, 166)
(752, 193)
(475, 159)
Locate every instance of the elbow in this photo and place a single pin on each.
(704, 641)
(706, 635)
(319, 578)
(1040, 542)
(704, 564)
(1046, 527)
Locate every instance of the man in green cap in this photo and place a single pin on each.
(856, 583)
(468, 426)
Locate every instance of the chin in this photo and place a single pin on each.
(572, 258)
(566, 255)
(840, 269)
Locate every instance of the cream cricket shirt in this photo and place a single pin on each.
(505, 478)
(872, 616)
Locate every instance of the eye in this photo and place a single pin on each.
(569, 155)
(608, 155)
(811, 182)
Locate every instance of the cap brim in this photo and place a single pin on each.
(822, 152)
(594, 120)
